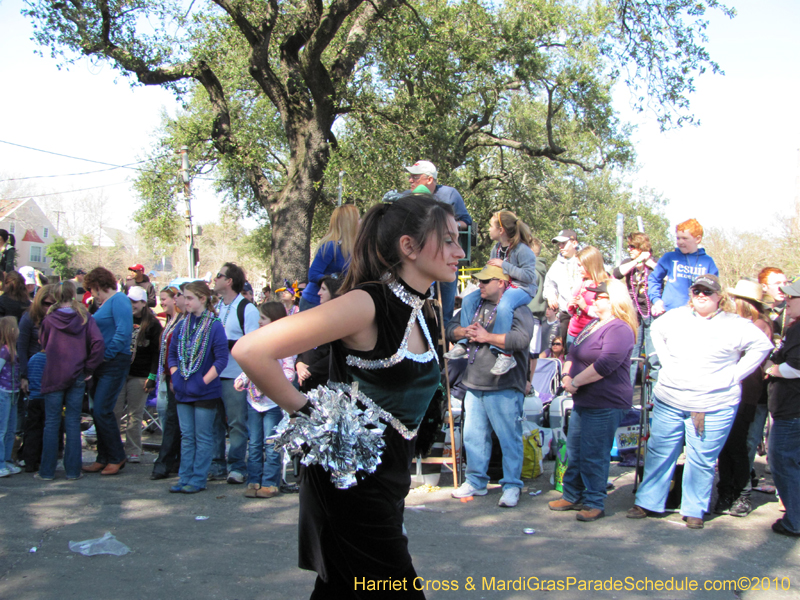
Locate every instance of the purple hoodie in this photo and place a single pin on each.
(77, 347)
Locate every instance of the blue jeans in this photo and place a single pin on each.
(784, 459)
(263, 461)
(8, 425)
(589, 442)
(643, 340)
(756, 432)
(669, 429)
(72, 398)
(511, 300)
(197, 443)
(499, 411)
(234, 410)
(109, 379)
(449, 290)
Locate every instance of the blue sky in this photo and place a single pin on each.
(737, 169)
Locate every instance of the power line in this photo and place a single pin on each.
(113, 166)
(71, 174)
(97, 187)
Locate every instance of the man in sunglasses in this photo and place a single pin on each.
(239, 317)
(493, 402)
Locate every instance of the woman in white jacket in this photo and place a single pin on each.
(705, 351)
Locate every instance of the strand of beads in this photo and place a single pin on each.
(193, 343)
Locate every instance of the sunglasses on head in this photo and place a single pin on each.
(702, 292)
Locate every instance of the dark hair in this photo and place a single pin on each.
(148, 320)
(38, 310)
(273, 310)
(236, 275)
(100, 278)
(377, 247)
(333, 283)
(14, 287)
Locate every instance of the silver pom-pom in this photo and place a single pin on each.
(338, 434)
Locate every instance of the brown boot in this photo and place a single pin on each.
(113, 468)
(95, 467)
(252, 490)
(637, 512)
(562, 504)
(693, 522)
(266, 491)
(590, 514)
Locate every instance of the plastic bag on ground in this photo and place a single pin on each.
(107, 544)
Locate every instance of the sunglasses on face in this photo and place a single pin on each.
(702, 292)
(557, 344)
(486, 281)
(602, 297)
(221, 275)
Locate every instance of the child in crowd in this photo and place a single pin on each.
(32, 436)
(513, 254)
(9, 393)
(76, 348)
(197, 355)
(581, 307)
(263, 415)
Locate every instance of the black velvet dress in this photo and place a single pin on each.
(355, 535)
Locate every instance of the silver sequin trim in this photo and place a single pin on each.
(416, 304)
(383, 414)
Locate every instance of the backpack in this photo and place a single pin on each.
(240, 314)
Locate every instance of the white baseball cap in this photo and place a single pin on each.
(137, 294)
(423, 167)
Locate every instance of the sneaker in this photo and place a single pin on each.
(216, 476)
(134, 458)
(80, 476)
(509, 498)
(741, 507)
(466, 490)
(91, 432)
(38, 476)
(5, 472)
(503, 364)
(13, 468)
(235, 477)
(458, 351)
(176, 489)
(60, 465)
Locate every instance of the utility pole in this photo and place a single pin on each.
(58, 220)
(187, 197)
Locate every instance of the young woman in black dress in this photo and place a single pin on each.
(381, 340)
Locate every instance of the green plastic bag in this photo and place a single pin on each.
(561, 464)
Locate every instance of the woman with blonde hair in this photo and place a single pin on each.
(706, 352)
(597, 374)
(333, 252)
(581, 307)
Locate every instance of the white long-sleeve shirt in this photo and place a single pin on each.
(561, 279)
(703, 361)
